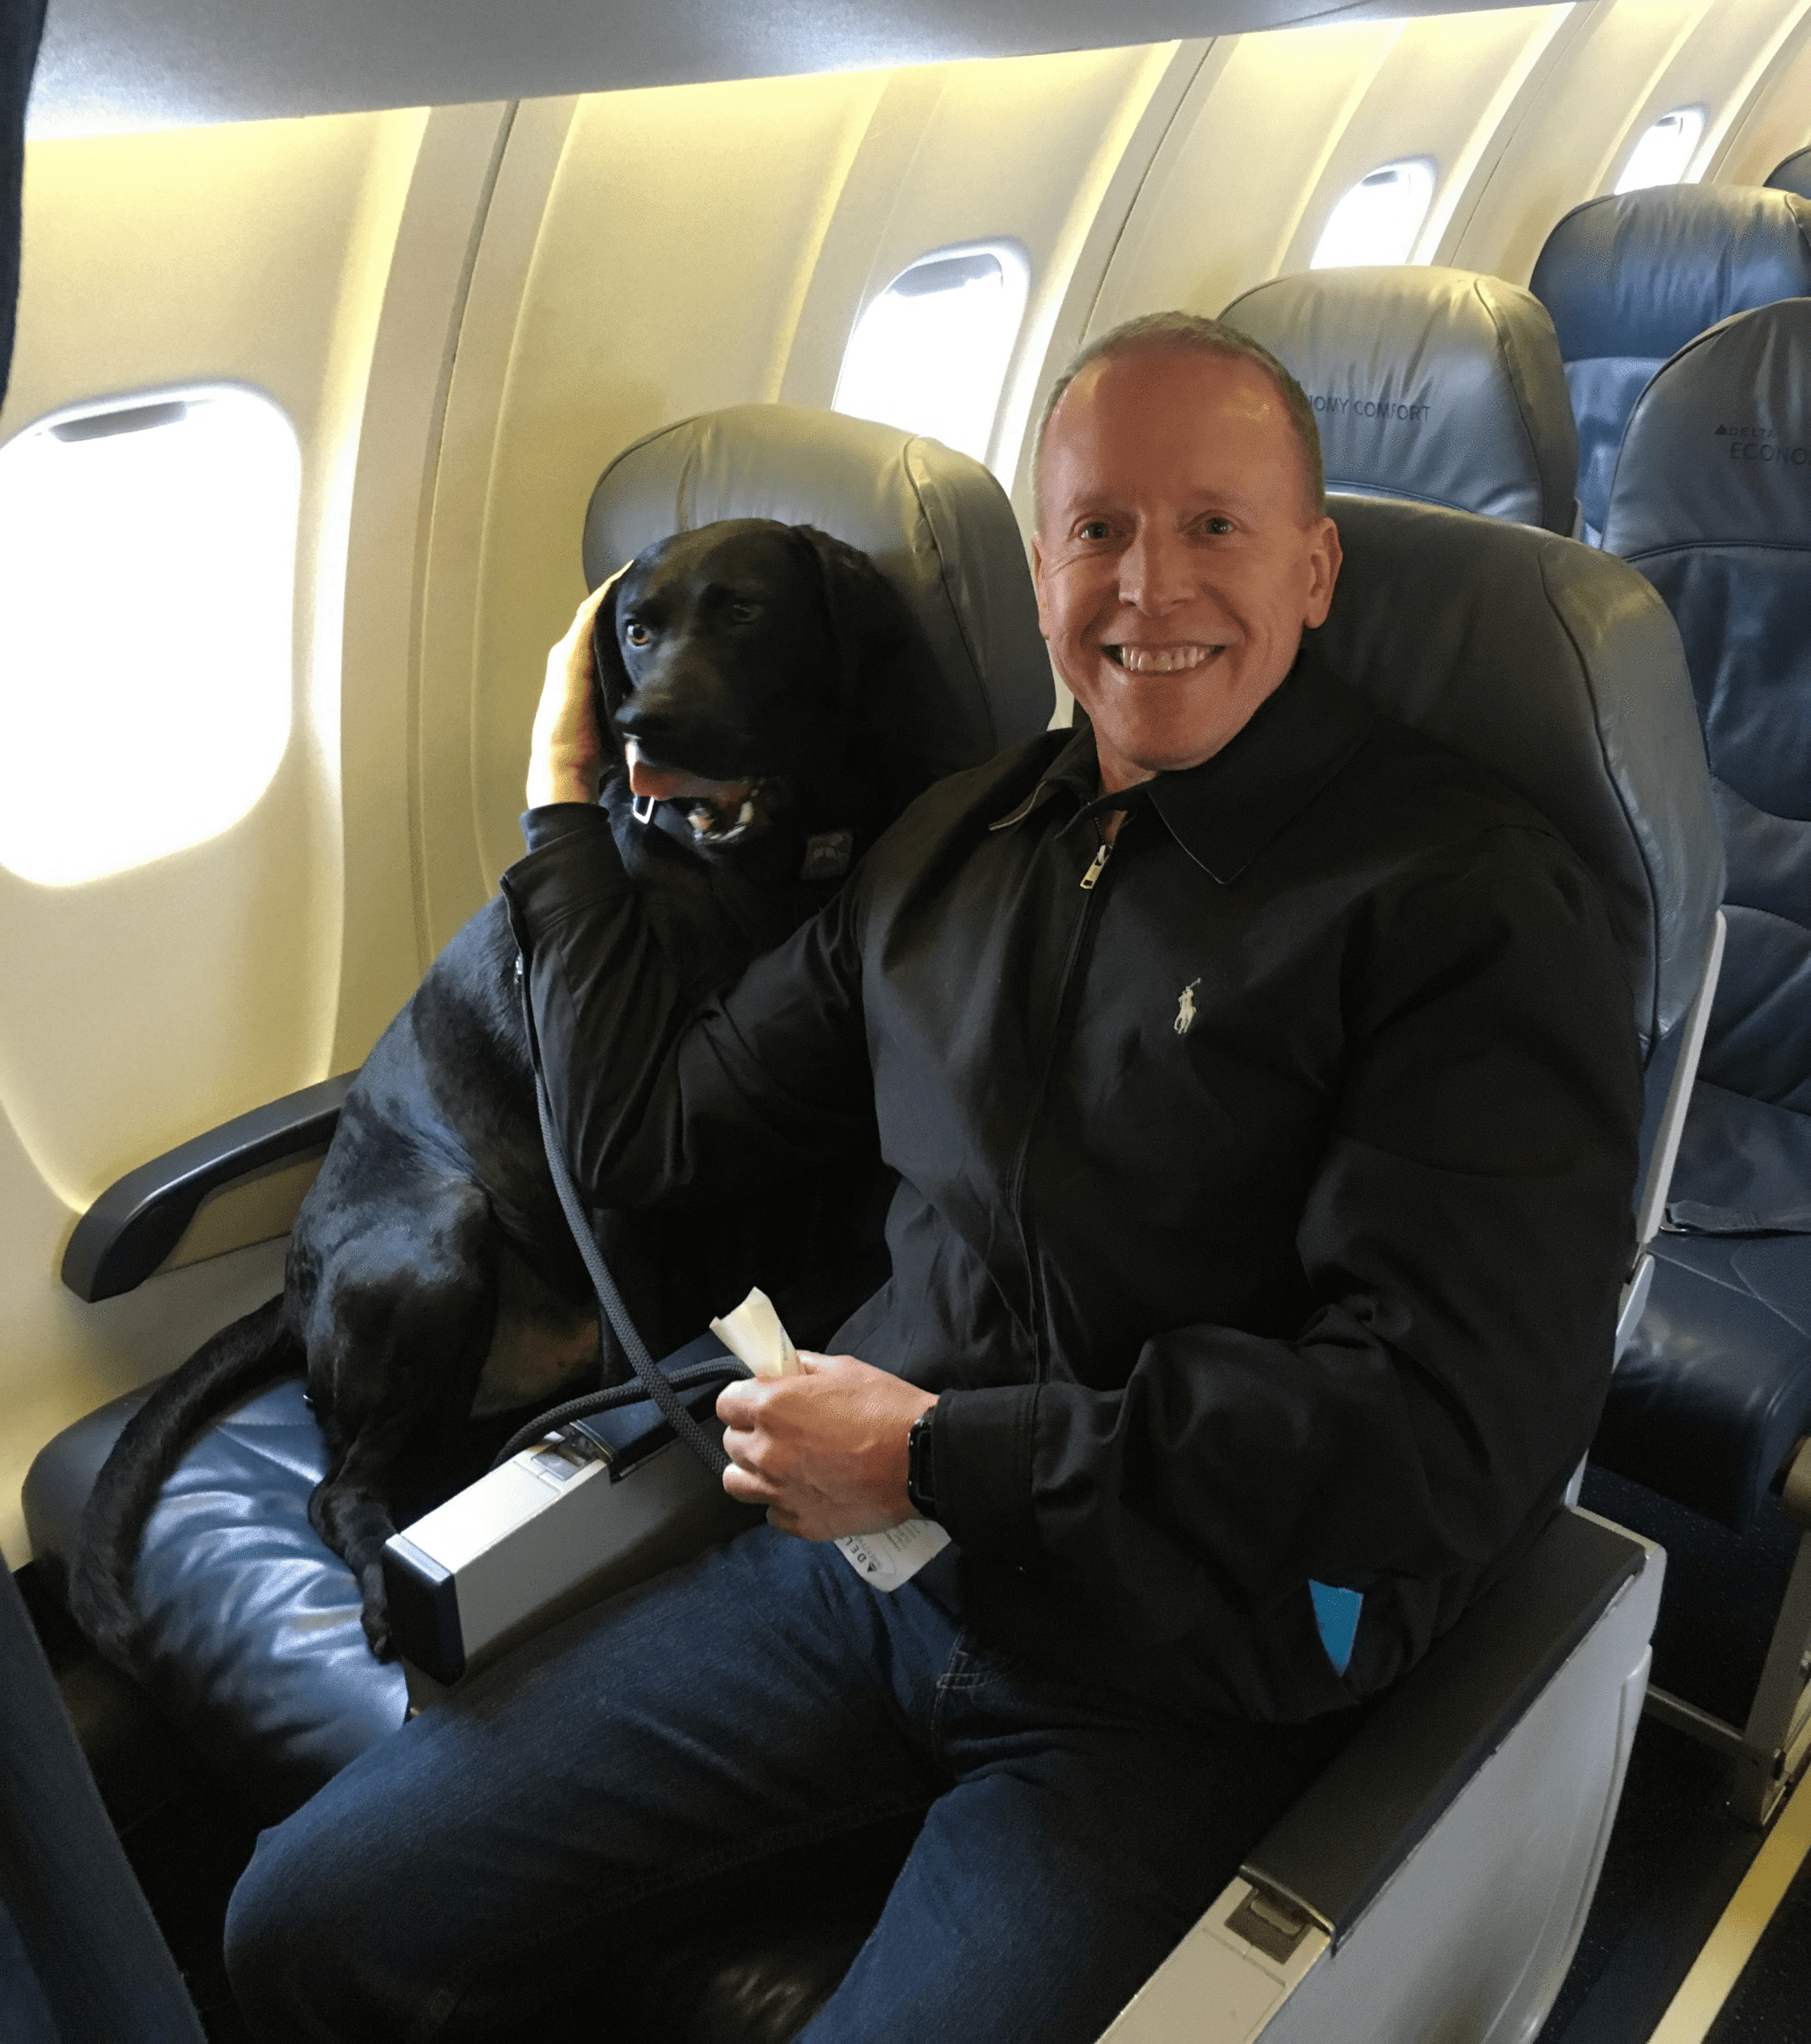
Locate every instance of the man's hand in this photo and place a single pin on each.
(825, 1452)
(566, 752)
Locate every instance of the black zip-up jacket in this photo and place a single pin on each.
(1265, 1183)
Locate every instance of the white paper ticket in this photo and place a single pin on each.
(890, 1558)
(753, 1334)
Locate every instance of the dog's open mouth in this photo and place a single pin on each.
(720, 812)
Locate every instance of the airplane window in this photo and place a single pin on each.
(930, 353)
(1660, 155)
(147, 581)
(1377, 221)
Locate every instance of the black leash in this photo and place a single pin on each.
(720, 1369)
(655, 1384)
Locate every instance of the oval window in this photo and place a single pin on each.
(1377, 221)
(147, 588)
(930, 354)
(1660, 155)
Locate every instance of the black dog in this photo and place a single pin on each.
(744, 672)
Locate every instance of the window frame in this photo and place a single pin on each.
(1014, 265)
(1428, 167)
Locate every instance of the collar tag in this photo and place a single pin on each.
(827, 855)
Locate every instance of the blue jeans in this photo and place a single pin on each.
(760, 1699)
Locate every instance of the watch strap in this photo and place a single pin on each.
(921, 1481)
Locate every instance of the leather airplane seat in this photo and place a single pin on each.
(1711, 501)
(1792, 174)
(250, 1638)
(1629, 279)
(1444, 387)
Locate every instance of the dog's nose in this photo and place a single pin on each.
(637, 719)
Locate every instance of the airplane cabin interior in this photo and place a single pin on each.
(354, 346)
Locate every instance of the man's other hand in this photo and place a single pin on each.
(566, 752)
(825, 1451)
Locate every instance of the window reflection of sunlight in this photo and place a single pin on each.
(147, 577)
(1660, 155)
(930, 354)
(1377, 221)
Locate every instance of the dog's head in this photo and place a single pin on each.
(731, 665)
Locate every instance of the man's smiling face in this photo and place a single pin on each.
(1179, 553)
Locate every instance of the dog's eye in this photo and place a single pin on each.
(637, 634)
(742, 610)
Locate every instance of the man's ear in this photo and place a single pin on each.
(610, 683)
(1037, 582)
(1324, 557)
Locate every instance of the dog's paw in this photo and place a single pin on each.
(376, 1616)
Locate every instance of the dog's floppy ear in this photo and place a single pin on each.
(891, 683)
(610, 682)
(868, 618)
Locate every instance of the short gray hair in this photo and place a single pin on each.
(1191, 332)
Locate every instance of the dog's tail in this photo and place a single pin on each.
(254, 1351)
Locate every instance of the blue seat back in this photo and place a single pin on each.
(1440, 386)
(1711, 501)
(1630, 279)
(1793, 174)
(1558, 669)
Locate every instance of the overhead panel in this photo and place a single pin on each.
(109, 65)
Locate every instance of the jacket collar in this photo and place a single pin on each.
(1224, 812)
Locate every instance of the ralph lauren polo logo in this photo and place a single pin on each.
(1185, 1009)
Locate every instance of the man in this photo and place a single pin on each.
(1262, 1082)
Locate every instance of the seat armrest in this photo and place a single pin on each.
(139, 1218)
(1343, 1841)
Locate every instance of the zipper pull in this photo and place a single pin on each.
(1094, 871)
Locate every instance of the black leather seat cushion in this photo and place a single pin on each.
(1630, 279)
(1442, 386)
(251, 1641)
(253, 1646)
(1793, 174)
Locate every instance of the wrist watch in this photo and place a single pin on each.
(920, 1482)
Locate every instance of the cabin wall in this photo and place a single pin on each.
(466, 311)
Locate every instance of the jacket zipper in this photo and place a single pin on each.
(1089, 881)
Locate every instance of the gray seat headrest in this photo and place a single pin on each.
(1438, 385)
(1793, 174)
(1559, 669)
(935, 522)
(1712, 501)
(1631, 280)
